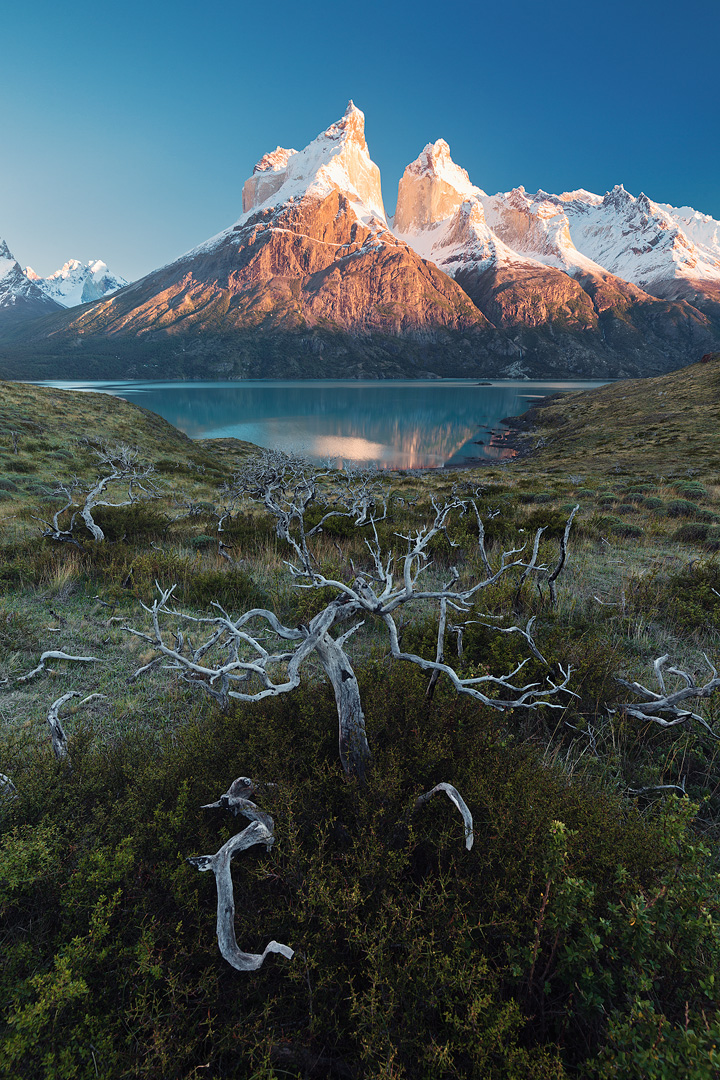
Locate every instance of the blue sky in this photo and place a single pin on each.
(127, 130)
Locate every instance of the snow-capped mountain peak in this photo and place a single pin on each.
(77, 283)
(646, 243)
(432, 188)
(20, 298)
(337, 159)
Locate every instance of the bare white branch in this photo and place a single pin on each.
(57, 654)
(456, 798)
(255, 833)
(664, 708)
(7, 788)
(57, 732)
(119, 465)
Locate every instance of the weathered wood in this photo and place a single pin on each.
(249, 671)
(7, 788)
(255, 833)
(57, 732)
(664, 708)
(57, 654)
(457, 800)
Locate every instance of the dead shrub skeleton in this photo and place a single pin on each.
(254, 655)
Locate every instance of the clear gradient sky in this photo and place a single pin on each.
(127, 130)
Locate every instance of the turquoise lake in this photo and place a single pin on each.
(402, 425)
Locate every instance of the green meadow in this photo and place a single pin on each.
(580, 935)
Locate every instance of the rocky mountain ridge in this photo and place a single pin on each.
(77, 283)
(313, 280)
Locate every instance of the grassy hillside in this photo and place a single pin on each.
(657, 426)
(580, 937)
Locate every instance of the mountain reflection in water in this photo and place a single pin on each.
(402, 425)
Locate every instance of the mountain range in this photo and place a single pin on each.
(316, 280)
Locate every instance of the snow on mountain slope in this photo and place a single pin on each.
(703, 230)
(659, 248)
(440, 214)
(537, 226)
(77, 283)
(337, 159)
(444, 218)
(20, 299)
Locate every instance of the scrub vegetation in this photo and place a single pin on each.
(579, 935)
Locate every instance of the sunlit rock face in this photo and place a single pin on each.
(432, 188)
(337, 160)
(268, 177)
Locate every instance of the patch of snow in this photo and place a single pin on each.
(78, 283)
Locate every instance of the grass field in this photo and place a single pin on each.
(580, 937)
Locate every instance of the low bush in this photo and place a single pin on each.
(693, 532)
(690, 489)
(568, 909)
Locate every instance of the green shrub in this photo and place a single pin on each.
(685, 508)
(203, 541)
(690, 489)
(693, 532)
(571, 907)
(687, 598)
(142, 521)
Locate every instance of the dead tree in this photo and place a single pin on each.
(120, 466)
(666, 708)
(255, 656)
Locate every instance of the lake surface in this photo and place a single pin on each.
(390, 424)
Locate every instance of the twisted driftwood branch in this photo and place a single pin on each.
(7, 788)
(57, 732)
(255, 833)
(121, 466)
(236, 661)
(664, 708)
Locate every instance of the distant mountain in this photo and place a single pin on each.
(77, 283)
(20, 300)
(313, 281)
(514, 254)
(309, 281)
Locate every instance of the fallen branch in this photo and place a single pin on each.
(57, 732)
(57, 654)
(456, 798)
(255, 833)
(7, 788)
(664, 708)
